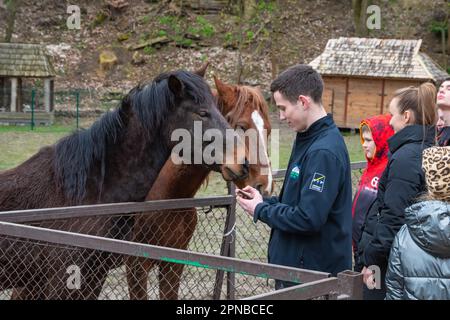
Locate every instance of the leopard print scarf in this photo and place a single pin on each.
(436, 165)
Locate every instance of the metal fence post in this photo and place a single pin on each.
(33, 93)
(227, 249)
(350, 285)
(231, 276)
(77, 94)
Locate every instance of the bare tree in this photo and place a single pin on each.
(274, 37)
(360, 16)
(11, 9)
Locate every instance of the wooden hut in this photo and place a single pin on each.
(361, 75)
(17, 62)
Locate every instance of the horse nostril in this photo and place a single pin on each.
(259, 187)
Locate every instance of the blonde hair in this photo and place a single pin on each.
(421, 101)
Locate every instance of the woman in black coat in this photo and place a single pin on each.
(413, 113)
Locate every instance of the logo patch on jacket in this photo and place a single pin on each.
(317, 182)
(295, 172)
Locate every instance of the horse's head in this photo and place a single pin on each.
(246, 110)
(191, 121)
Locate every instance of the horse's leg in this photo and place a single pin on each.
(169, 280)
(137, 275)
(170, 273)
(146, 230)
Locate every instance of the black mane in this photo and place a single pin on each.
(79, 153)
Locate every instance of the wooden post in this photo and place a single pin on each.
(382, 96)
(346, 101)
(47, 91)
(13, 106)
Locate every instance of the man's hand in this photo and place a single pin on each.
(249, 205)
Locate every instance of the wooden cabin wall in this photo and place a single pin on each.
(363, 97)
(390, 86)
(364, 100)
(334, 97)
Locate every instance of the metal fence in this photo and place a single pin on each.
(67, 107)
(112, 251)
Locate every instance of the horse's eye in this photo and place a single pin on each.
(240, 127)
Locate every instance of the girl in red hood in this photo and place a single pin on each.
(374, 133)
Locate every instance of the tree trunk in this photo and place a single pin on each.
(11, 9)
(240, 67)
(360, 16)
(275, 29)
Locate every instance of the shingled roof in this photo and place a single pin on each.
(24, 60)
(369, 57)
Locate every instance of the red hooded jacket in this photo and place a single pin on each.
(368, 184)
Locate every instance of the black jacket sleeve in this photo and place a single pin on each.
(404, 183)
(315, 200)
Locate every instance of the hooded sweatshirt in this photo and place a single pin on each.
(419, 263)
(368, 185)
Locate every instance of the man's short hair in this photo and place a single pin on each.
(297, 80)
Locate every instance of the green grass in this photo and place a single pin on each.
(19, 143)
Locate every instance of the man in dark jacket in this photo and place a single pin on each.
(311, 219)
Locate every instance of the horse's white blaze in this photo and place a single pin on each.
(259, 123)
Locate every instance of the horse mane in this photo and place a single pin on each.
(77, 155)
(254, 96)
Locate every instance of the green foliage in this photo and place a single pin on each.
(149, 50)
(268, 6)
(161, 33)
(229, 37)
(250, 35)
(182, 41)
(168, 20)
(437, 27)
(206, 29)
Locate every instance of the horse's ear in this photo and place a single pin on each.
(223, 89)
(175, 85)
(202, 70)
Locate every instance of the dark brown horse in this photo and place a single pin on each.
(245, 108)
(116, 160)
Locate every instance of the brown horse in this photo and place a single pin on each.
(244, 107)
(115, 160)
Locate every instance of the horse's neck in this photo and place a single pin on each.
(132, 167)
(177, 181)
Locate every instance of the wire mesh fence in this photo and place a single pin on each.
(35, 107)
(31, 269)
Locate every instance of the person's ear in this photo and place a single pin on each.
(407, 117)
(304, 100)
